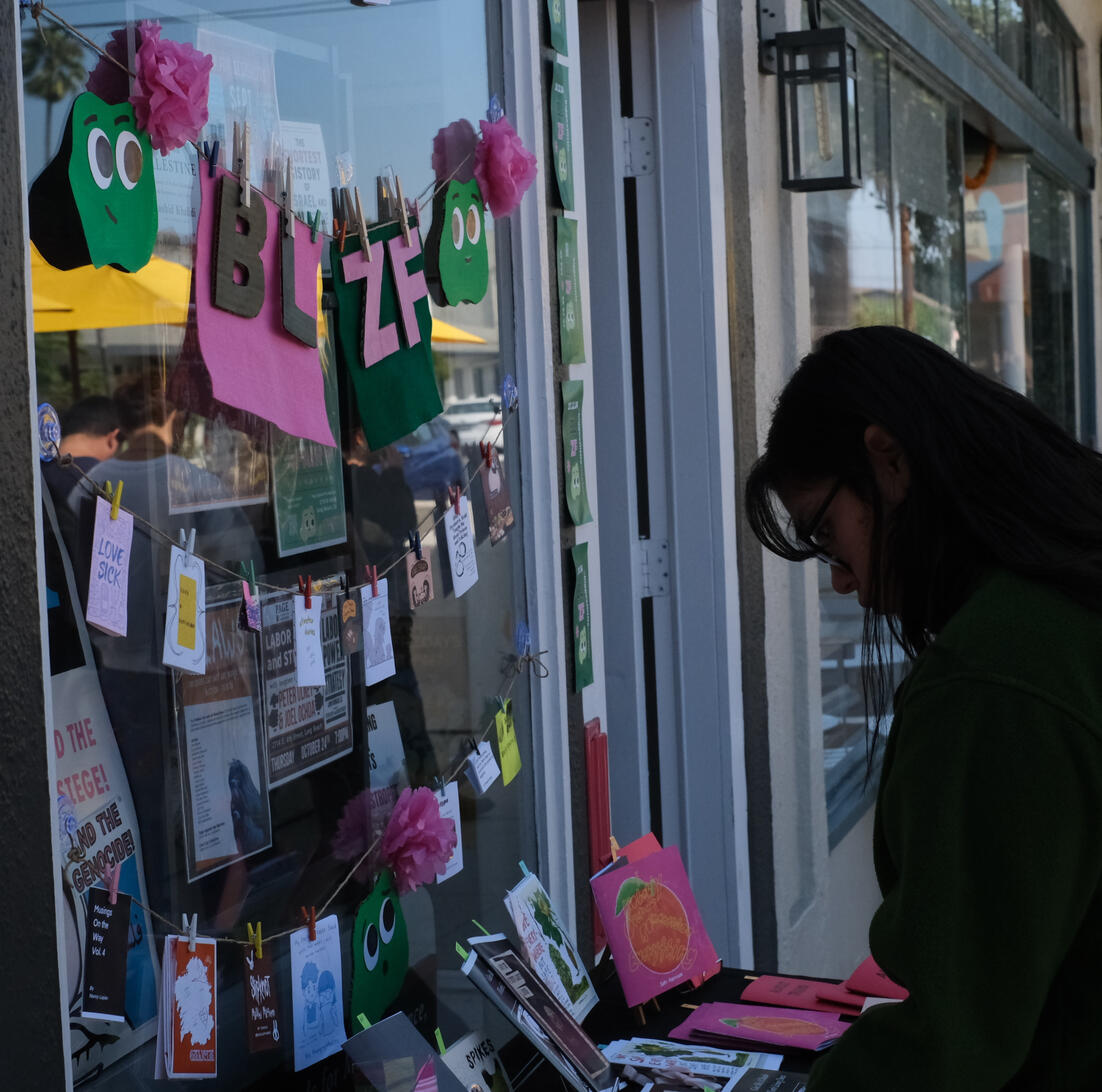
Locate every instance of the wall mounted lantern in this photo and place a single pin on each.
(817, 70)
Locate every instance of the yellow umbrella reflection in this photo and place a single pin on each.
(87, 298)
(446, 333)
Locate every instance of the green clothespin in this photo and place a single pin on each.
(479, 925)
(440, 1042)
(364, 1022)
(461, 951)
(248, 572)
(523, 868)
(315, 223)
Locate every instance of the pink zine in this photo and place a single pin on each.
(254, 363)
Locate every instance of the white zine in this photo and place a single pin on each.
(378, 647)
(449, 809)
(317, 992)
(482, 767)
(185, 645)
(309, 661)
(457, 528)
(110, 572)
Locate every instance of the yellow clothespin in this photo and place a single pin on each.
(403, 219)
(114, 496)
(361, 225)
(255, 939)
(615, 848)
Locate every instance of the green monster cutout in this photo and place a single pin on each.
(457, 260)
(380, 951)
(95, 202)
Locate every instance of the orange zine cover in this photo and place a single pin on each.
(654, 928)
(193, 994)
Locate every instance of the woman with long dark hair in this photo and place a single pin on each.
(970, 527)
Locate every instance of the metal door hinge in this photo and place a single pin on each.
(652, 563)
(638, 146)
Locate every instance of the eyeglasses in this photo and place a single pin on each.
(806, 538)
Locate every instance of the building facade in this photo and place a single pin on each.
(657, 261)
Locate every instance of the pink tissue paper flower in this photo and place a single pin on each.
(107, 80)
(170, 89)
(354, 835)
(503, 166)
(453, 150)
(418, 841)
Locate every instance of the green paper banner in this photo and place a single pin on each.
(308, 479)
(398, 392)
(571, 337)
(583, 638)
(562, 146)
(573, 452)
(556, 13)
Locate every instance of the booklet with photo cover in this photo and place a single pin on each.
(499, 970)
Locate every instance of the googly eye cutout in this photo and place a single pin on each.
(100, 160)
(474, 224)
(388, 919)
(128, 159)
(371, 947)
(457, 229)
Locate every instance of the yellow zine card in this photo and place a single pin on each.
(185, 630)
(507, 749)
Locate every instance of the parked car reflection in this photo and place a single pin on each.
(430, 459)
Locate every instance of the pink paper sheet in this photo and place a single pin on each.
(870, 979)
(254, 364)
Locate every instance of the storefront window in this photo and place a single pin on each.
(231, 786)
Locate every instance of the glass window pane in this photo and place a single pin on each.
(349, 94)
(927, 179)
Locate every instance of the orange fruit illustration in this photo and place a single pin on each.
(777, 1025)
(656, 924)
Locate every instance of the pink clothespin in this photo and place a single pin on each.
(487, 453)
(111, 878)
(454, 493)
(307, 588)
(311, 922)
(372, 572)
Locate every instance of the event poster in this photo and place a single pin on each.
(307, 726)
(573, 451)
(385, 756)
(571, 336)
(304, 143)
(308, 479)
(97, 826)
(562, 148)
(220, 733)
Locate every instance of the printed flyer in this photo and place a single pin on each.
(223, 774)
(307, 726)
(573, 452)
(571, 334)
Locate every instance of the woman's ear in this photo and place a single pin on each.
(889, 463)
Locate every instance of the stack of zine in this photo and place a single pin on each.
(499, 971)
(719, 1023)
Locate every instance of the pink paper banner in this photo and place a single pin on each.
(254, 363)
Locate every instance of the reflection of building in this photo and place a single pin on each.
(469, 369)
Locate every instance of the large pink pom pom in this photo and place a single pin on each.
(418, 841)
(503, 166)
(453, 150)
(353, 835)
(170, 89)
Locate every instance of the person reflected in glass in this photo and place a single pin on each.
(969, 527)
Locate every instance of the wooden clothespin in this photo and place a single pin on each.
(372, 573)
(186, 541)
(415, 544)
(311, 922)
(211, 153)
(384, 199)
(241, 159)
(256, 939)
(306, 587)
(111, 879)
(361, 226)
(487, 453)
(191, 927)
(289, 200)
(403, 218)
(114, 496)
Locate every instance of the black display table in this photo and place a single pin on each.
(612, 1019)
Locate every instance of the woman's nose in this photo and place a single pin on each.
(842, 580)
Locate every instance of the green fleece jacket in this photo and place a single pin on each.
(988, 852)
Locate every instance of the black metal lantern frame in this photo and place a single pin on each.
(817, 93)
